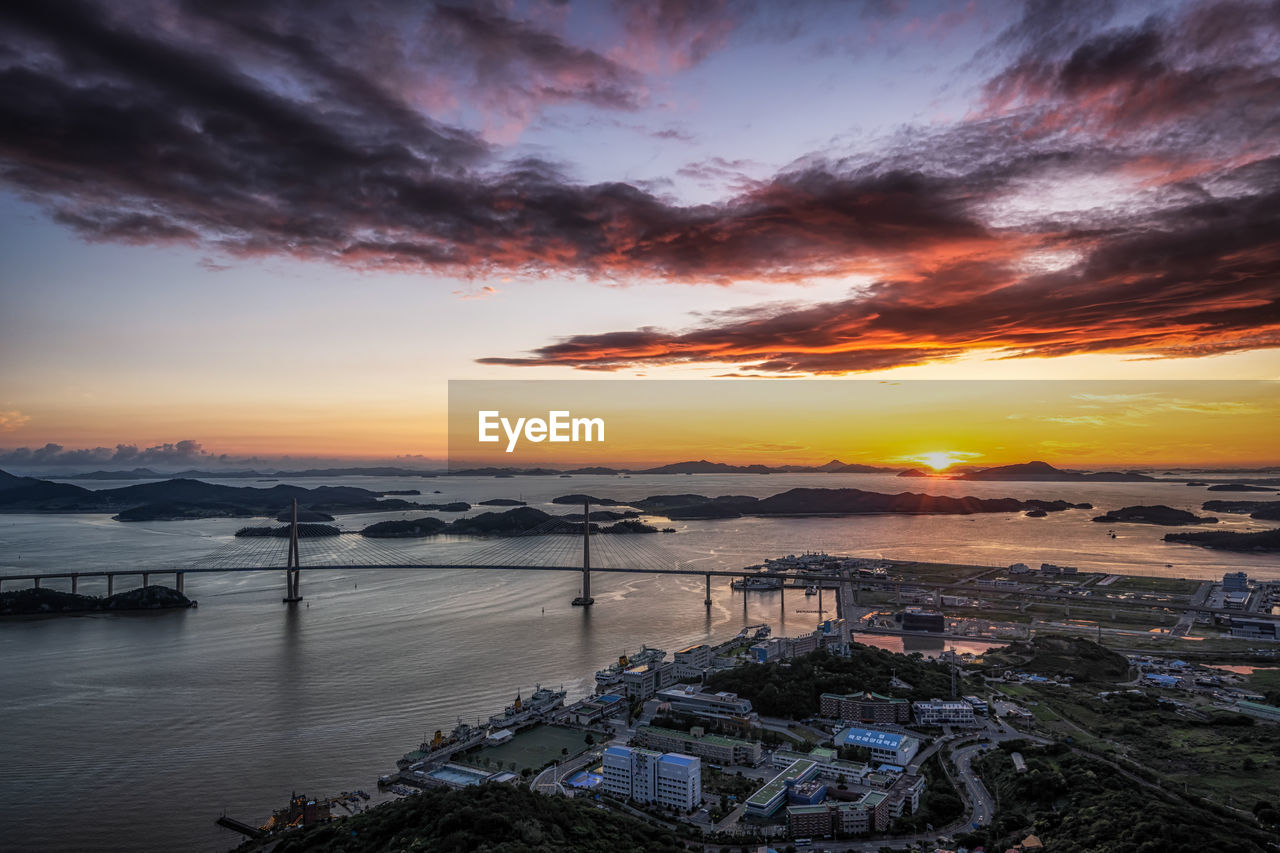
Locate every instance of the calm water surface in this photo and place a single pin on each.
(133, 732)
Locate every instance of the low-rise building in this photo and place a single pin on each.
(766, 801)
(870, 812)
(644, 681)
(648, 776)
(1235, 582)
(865, 707)
(1236, 599)
(979, 704)
(1259, 710)
(715, 748)
(943, 712)
(829, 766)
(687, 699)
(693, 661)
(1254, 629)
(597, 709)
(889, 747)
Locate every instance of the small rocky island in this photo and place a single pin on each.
(39, 601)
(1159, 514)
(305, 531)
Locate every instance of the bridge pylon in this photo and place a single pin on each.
(585, 600)
(293, 566)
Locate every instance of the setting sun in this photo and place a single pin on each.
(939, 461)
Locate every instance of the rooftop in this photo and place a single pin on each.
(871, 738)
(718, 740)
(778, 783)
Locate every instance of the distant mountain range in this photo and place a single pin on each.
(1035, 471)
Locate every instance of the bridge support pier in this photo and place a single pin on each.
(37, 581)
(75, 584)
(177, 580)
(146, 578)
(111, 585)
(585, 600)
(293, 565)
(707, 600)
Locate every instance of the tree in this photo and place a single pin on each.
(590, 739)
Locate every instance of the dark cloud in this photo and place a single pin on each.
(306, 129)
(55, 455)
(1203, 279)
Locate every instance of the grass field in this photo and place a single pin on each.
(1145, 583)
(533, 748)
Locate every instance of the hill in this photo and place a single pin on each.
(486, 819)
(1158, 514)
(32, 602)
(1043, 471)
(1222, 540)
(1078, 658)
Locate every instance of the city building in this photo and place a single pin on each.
(943, 712)
(644, 681)
(766, 801)
(1235, 582)
(920, 619)
(688, 699)
(869, 812)
(866, 707)
(829, 766)
(1236, 599)
(646, 776)
(888, 747)
(979, 704)
(693, 661)
(714, 748)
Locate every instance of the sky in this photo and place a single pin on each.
(249, 231)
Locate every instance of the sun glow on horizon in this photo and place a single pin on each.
(941, 460)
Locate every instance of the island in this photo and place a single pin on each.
(410, 528)
(502, 502)
(1044, 472)
(1261, 510)
(1159, 514)
(305, 531)
(184, 498)
(1267, 541)
(36, 601)
(1238, 487)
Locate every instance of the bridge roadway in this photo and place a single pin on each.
(832, 579)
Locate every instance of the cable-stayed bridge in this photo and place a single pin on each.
(556, 545)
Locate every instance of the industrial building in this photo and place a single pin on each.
(1255, 629)
(646, 776)
(920, 619)
(888, 747)
(943, 712)
(866, 707)
(714, 748)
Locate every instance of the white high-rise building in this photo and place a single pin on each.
(646, 776)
